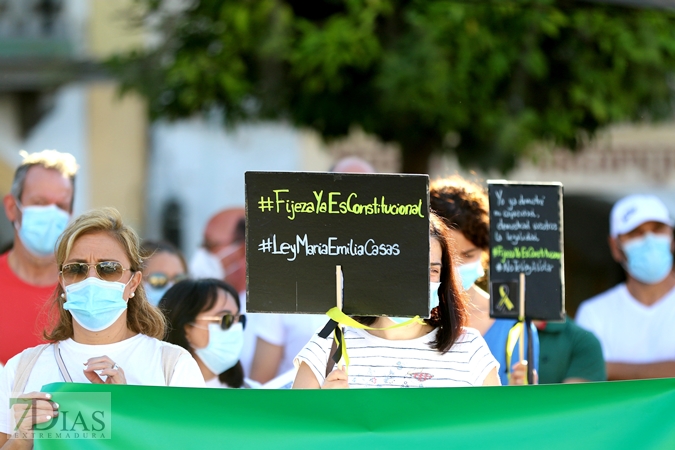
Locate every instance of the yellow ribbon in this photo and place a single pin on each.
(504, 299)
(342, 319)
(515, 333)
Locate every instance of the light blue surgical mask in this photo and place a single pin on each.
(649, 258)
(95, 304)
(434, 300)
(224, 347)
(41, 227)
(154, 294)
(469, 273)
(398, 320)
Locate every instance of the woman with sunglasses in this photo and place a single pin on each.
(203, 317)
(164, 266)
(104, 331)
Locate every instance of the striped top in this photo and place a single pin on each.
(377, 362)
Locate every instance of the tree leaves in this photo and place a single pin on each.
(498, 76)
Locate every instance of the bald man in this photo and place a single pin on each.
(353, 164)
(223, 252)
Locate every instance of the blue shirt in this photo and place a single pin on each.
(496, 338)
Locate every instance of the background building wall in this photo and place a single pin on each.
(118, 126)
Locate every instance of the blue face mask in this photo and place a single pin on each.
(649, 258)
(434, 300)
(41, 227)
(469, 273)
(224, 347)
(154, 294)
(95, 304)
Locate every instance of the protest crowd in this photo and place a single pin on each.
(85, 300)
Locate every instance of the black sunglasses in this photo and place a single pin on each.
(228, 320)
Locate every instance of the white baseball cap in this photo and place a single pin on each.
(632, 211)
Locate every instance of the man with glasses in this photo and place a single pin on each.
(39, 206)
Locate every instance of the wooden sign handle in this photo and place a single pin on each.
(339, 301)
(521, 314)
(338, 287)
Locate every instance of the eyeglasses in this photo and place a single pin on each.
(227, 320)
(159, 280)
(106, 271)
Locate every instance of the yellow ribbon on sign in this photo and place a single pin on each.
(504, 299)
(342, 319)
(516, 332)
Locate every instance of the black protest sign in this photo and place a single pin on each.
(300, 226)
(526, 236)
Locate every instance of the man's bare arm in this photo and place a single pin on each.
(625, 371)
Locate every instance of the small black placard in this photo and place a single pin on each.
(526, 236)
(300, 225)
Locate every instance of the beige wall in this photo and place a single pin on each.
(6, 176)
(117, 142)
(118, 127)
(109, 30)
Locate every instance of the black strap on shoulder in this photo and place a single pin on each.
(336, 347)
(328, 328)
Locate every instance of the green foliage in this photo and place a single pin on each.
(499, 75)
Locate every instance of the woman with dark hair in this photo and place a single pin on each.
(436, 352)
(203, 317)
(463, 206)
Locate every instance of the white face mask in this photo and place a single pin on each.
(205, 264)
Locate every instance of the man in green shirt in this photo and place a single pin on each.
(569, 354)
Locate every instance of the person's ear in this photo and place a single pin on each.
(134, 282)
(188, 332)
(615, 249)
(62, 284)
(11, 209)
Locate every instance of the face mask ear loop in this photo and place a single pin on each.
(624, 258)
(133, 274)
(19, 206)
(227, 251)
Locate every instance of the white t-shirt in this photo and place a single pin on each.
(140, 357)
(291, 331)
(629, 331)
(248, 350)
(377, 362)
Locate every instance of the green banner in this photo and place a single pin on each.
(616, 415)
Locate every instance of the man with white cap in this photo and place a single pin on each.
(635, 320)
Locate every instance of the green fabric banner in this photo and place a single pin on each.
(616, 415)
